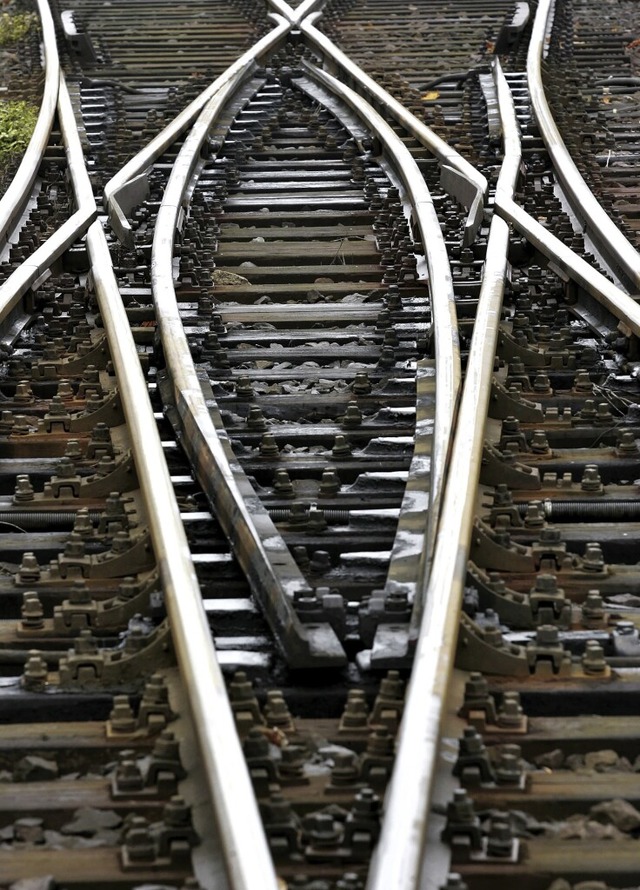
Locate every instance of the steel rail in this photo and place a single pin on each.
(128, 187)
(125, 189)
(30, 271)
(614, 245)
(459, 177)
(16, 197)
(443, 310)
(397, 861)
(228, 784)
(616, 301)
(272, 572)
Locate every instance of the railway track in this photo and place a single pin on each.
(239, 515)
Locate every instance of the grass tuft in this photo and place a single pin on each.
(14, 26)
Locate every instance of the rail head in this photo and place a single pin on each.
(128, 187)
(623, 256)
(443, 311)
(407, 803)
(460, 177)
(615, 300)
(17, 194)
(228, 784)
(272, 572)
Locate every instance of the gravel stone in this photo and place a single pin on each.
(601, 760)
(88, 821)
(550, 759)
(617, 812)
(35, 769)
(28, 830)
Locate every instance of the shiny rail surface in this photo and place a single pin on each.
(459, 177)
(14, 200)
(445, 326)
(623, 256)
(448, 451)
(229, 787)
(274, 575)
(417, 759)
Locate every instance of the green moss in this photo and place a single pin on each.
(17, 120)
(16, 25)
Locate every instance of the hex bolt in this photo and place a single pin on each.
(322, 830)
(29, 568)
(121, 718)
(499, 839)
(341, 447)
(139, 843)
(509, 766)
(23, 393)
(502, 496)
(604, 417)
(21, 426)
(541, 383)
(593, 609)
(82, 526)
(510, 712)
(356, 712)
(128, 777)
(588, 411)
(534, 517)
(627, 445)
(282, 484)
(345, 771)
(24, 490)
(361, 385)
(539, 444)
(320, 562)
(255, 745)
(316, 521)
(591, 480)
(462, 820)
(72, 450)
(6, 422)
(65, 391)
(276, 713)
(279, 810)
(593, 660)
(477, 697)
(269, 446)
(35, 673)
(255, 418)
(292, 762)
(352, 416)
(593, 559)
(329, 484)
(31, 612)
(582, 382)
(472, 765)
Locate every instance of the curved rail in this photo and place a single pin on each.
(228, 783)
(264, 557)
(620, 304)
(459, 177)
(443, 311)
(603, 231)
(407, 802)
(129, 186)
(15, 198)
